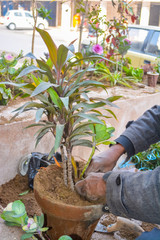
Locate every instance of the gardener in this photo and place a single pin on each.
(127, 194)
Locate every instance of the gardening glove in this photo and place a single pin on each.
(92, 188)
(105, 161)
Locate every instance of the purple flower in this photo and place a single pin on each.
(97, 49)
(127, 41)
(9, 57)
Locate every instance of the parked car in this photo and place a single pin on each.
(21, 19)
(145, 44)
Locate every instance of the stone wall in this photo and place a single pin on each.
(15, 141)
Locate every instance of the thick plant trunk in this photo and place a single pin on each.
(64, 163)
(70, 178)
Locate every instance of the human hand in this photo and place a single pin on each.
(105, 161)
(92, 188)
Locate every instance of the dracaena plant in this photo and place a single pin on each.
(72, 114)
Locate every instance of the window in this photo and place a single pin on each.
(17, 14)
(137, 37)
(153, 46)
(28, 14)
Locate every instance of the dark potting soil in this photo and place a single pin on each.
(10, 191)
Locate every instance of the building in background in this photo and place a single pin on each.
(63, 13)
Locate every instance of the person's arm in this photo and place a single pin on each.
(142, 133)
(136, 138)
(134, 195)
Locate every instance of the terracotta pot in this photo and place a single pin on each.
(78, 222)
(152, 79)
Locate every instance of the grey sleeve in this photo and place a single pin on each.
(134, 195)
(142, 133)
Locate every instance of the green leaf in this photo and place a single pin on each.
(65, 237)
(82, 142)
(28, 70)
(90, 117)
(44, 229)
(102, 132)
(112, 113)
(39, 114)
(12, 224)
(55, 98)
(59, 134)
(26, 236)
(11, 70)
(61, 56)
(50, 45)
(43, 131)
(65, 101)
(47, 70)
(15, 84)
(40, 220)
(24, 193)
(114, 98)
(18, 207)
(41, 87)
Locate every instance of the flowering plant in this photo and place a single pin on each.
(15, 215)
(98, 49)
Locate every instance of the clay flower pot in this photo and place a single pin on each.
(77, 222)
(152, 78)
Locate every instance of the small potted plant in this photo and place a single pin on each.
(151, 70)
(73, 116)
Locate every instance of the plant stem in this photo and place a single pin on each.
(88, 162)
(70, 180)
(41, 236)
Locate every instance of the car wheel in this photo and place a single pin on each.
(12, 26)
(41, 26)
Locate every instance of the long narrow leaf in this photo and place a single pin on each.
(39, 114)
(55, 98)
(47, 70)
(90, 117)
(61, 56)
(41, 87)
(59, 134)
(52, 48)
(82, 142)
(28, 70)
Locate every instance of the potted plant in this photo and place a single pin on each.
(151, 70)
(73, 116)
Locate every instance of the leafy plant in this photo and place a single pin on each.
(135, 72)
(113, 78)
(149, 159)
(8, 72)
(8, 66)
(43, 12)
(15, 215)
(5, 94)
(146, 160)
(72, 114)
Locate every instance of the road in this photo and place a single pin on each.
(17, 40)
